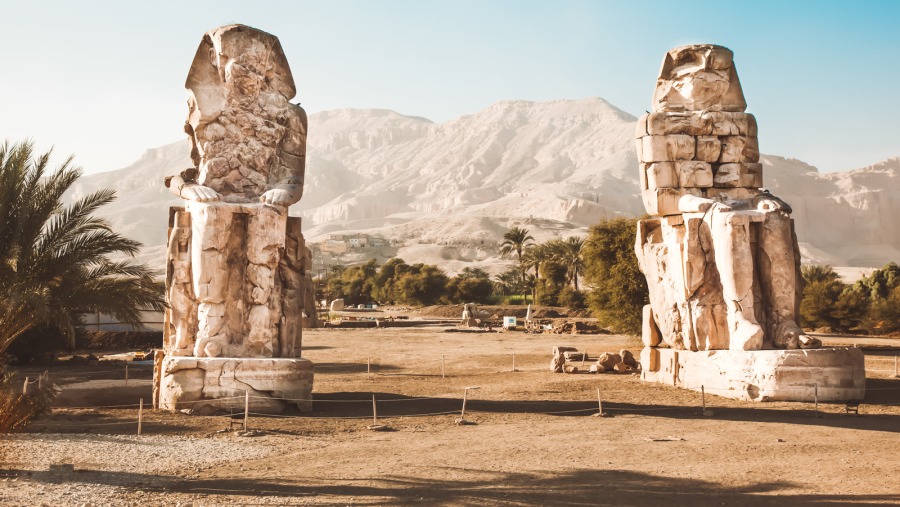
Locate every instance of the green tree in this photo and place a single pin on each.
(883, 289)
(55, 260)
(881, 282)
(618, 288)
(883, 316)
(815, 273)
(514, 241)
(817, 305)
(569, 253)
(534, 258)
(472, 285)
(423, 285)
(386, 279)
(509, 282)
(354, 284)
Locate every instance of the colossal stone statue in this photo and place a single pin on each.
(719, 252)
(238, 267)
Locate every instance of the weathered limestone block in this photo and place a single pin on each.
(733, 149)
(609, 360)
(692, 123)
(667, 148)
(661, 175)
(739, 175)
(650, 332)
(838, 374)
(694, 174)
(557, 363)
(725, 123)
(628, 358)
(640, 128)
(709, 148)
(733, 196)
(205, 385)
(664, 201)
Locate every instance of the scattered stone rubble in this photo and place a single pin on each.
(608, 362)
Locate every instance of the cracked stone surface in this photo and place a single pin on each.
(829, 374)
(238, 277)
(719, 253)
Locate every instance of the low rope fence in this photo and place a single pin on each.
(435, 366)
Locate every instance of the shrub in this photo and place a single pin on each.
(17, 409)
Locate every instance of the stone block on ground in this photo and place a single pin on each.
(609, 360)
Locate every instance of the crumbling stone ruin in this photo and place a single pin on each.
(608, 362)
(238, 275)
(719, 252)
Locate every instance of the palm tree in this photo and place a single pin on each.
(515, 240)
(815, 273)
(533, 258)
(568, 252)
(54, 260)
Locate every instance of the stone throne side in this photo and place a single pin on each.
(235, 281)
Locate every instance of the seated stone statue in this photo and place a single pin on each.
(719, 253)
(237, 262)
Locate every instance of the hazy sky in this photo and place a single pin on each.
(104, 79)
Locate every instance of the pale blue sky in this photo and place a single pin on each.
(104, 79)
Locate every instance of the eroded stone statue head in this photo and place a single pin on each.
(248, 140)
(235, 62)
(698, 77)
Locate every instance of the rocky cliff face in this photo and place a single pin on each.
(557, 167)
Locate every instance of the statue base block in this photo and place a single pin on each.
(832, 374)
(219, 384)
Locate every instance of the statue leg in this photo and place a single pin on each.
(210, 231)
(265, 242)
(782, 276)
(734, 261)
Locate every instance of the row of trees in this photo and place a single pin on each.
(397, 282)
(871, 305)
(549, 272)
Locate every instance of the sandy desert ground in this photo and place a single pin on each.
(534, 438)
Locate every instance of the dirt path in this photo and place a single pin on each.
(535, 441)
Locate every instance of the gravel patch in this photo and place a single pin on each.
(79, 469)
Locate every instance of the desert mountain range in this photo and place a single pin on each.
(447, 192)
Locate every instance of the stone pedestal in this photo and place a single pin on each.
(761, 375)
(218, 384)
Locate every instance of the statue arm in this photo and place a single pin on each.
(285, 193)
(184, 185)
